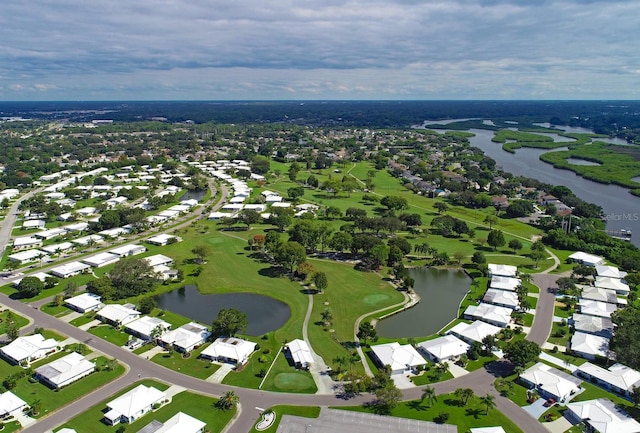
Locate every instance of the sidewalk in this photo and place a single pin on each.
(559, 362)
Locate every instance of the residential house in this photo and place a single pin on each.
(502, 270)
(69, 269)
(586, 259)
(599, 294)
(601, 326)
(187, 337)
(443, 348)
(28, 256)
(299, 353)
(179, 423)
(158, 260)
(589, 346)
(132, 405)
(497, 429)
(84, 302)
(493, 314)
(616, 284)
(504, 283)
(401, 358)
(128, 250)
(30, 348)
(33, 224)
(101, 259)
(601, 415)
(57, 248)
(147, 328)
(550, 382)
(230, 350)
(501, 298)
(65, 370)
(475, 331)
(163, 239)
(610, 271)
(11, 405)
(117, 315)
(26, 242)
(618, 378)
(596, 308)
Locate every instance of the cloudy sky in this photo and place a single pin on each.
(319, 49)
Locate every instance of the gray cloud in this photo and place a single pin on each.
(71, 49)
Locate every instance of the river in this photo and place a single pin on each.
(622, 210)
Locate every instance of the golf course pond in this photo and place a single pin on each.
(264, 314)
(441, 292)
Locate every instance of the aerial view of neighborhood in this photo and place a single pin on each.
(320, 267)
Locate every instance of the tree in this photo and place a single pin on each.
(341, 361)
(320, 281)
(249, 216)
(464, 394)
(489, 401)
(515, 245)
(378, 255)
(490, 220)
(281, 217)
(394, 203)
(132, 277)
(495, 239)
(295, 193)
(387, 398)
(459, 256)
(340, 241)
(294, 169)
(70, 289)
(478, 258)
(30, 287)
(327, 316)
(521, 352)
(201, 252)
(290, 255)
(626, 341)
(635, 395)
(441, 369)
(366, 331)
(229, 322)
(441, 207)
(229, 400)
(428, 394)
(147, 304)
(334, 186)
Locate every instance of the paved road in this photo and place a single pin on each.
(10, 219)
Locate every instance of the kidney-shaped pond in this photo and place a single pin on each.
(441, 292)
(264, 314)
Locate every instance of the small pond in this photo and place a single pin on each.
(194, 195)
(264, 314)
(441, 292)
(580, 161)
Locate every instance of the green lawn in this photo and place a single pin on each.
(285, 378)
(55, 310)
(192, 366)
(111, 334)
(82, 320)
(465, 417)
(251, 374)
(302, 411)
(20, 321)
(430, 376)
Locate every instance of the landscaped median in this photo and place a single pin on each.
(279, 411)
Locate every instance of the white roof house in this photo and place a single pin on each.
(145, 326)
(50, 234)
(85, 240)
(401, 358)
(28, 256)
(229, 349)
(586, 259)
(300, 353)
(620, 287)
(158, 259)
(475, 331)
(599, 294)
(589, 346)
(77, 227)
(101, 259)
(618, 378)
(504, 283)
(84, 302)
(502, 298)
(134, 404)
(596, 308)
(25, 242)
(610, 271)
(551, 382)
(25, 350)
(65, 370)
(493, 314)
(443, 348)
(69, 269)
(56, 248)
(11, 404)
(117, 314)
(487, 430)
(168, 213)
(187, 337)
(42, 276)
(602, 326)
(603, 416)
(181, 423)
(33, 224)
(502, 270)
(162, 239)
(115, 232)
(128, 250)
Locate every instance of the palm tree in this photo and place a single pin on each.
(228, 401)
(441, 368)
(341, 361)
(467, 394)
(489, 401)
(491, 220)
(429, 394)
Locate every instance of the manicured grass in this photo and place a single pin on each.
(192, 366)
(111, 334)
(55, 310)
(302, 411)
(20, 321)
(251, 374)
(51, 400)
(512, 389)
(465, 417)
(82, 320)
(430, 376)
(285, 378)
